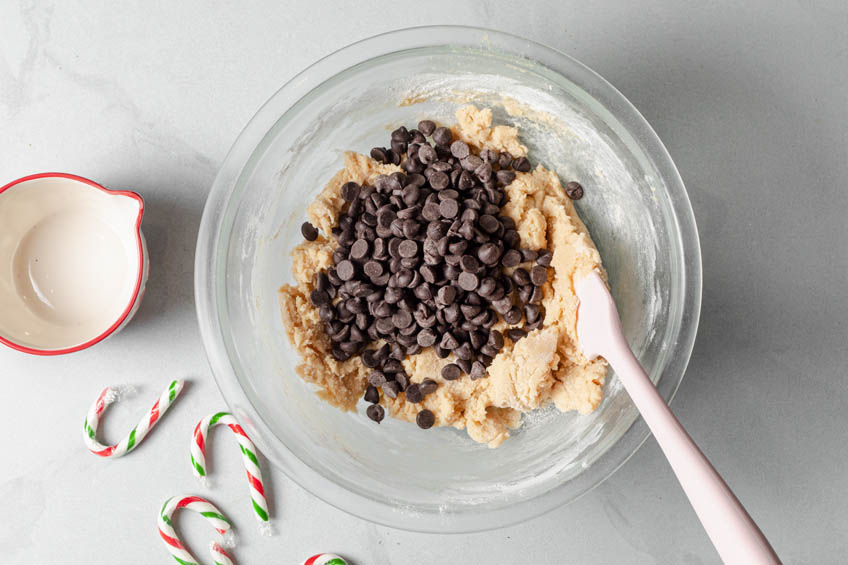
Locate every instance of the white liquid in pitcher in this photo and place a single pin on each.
(71, 267)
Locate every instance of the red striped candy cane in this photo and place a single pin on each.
(138, 433)
(206, 509)
(249, 457)
(325, 559)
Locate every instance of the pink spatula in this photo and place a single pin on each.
(732, 531)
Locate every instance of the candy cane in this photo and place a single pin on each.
(325, 559)
(220, 556)
(138, 433)
(206, 509)
(248, 452)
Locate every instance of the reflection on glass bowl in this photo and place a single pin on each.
(574, 122)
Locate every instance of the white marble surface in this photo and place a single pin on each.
(751, 101)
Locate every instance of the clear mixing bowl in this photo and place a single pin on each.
(574, 122)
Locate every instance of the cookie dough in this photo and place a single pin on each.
(546, 366)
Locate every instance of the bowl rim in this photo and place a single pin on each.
(207, 266)
(140, 268)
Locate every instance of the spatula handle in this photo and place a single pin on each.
(734, 534)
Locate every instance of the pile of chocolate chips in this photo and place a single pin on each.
(422, 262)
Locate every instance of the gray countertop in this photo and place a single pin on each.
(751, 101)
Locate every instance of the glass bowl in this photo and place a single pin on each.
(574, 122)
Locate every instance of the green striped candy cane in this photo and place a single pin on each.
(206, 509)
(138, 433)
(325, 559)
(249, 457)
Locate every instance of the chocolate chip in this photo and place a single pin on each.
(459, 149)
(340, 355)
(410, 228)
(377, 379)
(478, 339)
(466, 180)
(488, 253)
(373, 269)
(392, 364)
(505, 160)
(469, 263)
(502, 305)
(478, 370)
(380, 155)
(376, 412)
(325, 312)
(426, 337)
(449, 208)
(538, 275)
(490, 155)
(528, 255)
(425, 419)
(431, 212)
(391, 389)
(428, 386)
(359, 250)
(471, 163)
(521, 276)
(446, 295)
(464, 365)
(407, 248)
(536, 295)
(511, 258)
(496, 339)
(414, 394)
(511, 238)
(505, 177)
(463, 351)
(401, 319)
(322, 282)
(350, 191)
(451, 314)
(385, 217)
(383, 353)
(442, 135)
(368, 359)
(512, 316)
(372, 395)
(532, 313)
(489, 223)
(524, 292)
(574, 190)
(427, 154)
(384, 325)
(319, 297)
(449, 342)
(345, 270)
(487, 287)
(466, 230)
(426, 127)
(515, 333)
(544, 258)
(401, 134)
(468, 281)
(521, 164)
(451, 372)
(309, 232)
(439, 180)
(483, 172)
